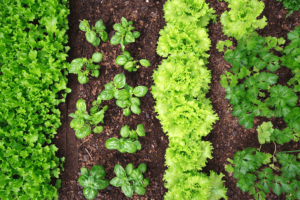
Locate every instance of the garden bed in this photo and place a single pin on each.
(227, 137)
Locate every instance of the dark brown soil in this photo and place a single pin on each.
(227, 136)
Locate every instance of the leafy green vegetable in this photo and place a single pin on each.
(130, 180)
(91, 33)
(128, 62)
(93, 181)
(129, 142)
(124, 36)
(291, 5)
(82, 122)
(33, 83)
(241, 20)
(186, 115)
(125, 99)
(77, 65)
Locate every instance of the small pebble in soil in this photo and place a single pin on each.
(143, 8)
(234, 133)
(147, 115)
(85, 158)
(78, 173)
(109, 188)
(79, 193)
(146, 157)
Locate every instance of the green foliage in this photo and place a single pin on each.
(91, 33)
(247, 87)
(92, 181)
(130, 180)
(128, 62)
(124, 36)
(129, 142)
(291, 5)
(222, 44)
(33, 82)
(186, 115)
(124, 96)
(241, 20)
(82, 122)
(254, 172)
(264, 132)
(77, 67)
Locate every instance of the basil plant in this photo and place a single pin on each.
(130, 180)
(128, 62)
(124, 94)
(77, 67)
(94, 34)
(129, 142)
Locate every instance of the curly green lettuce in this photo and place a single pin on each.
(176, 39)
(188, 154)
(181, 73)
(242, 20)
(189, 12)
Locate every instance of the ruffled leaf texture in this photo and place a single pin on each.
(241, 20)
(187, 12)
(176, 39)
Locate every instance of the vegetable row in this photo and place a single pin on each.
(181, 83)
(253, 90)
(33, 78)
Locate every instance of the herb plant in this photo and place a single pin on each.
(255, 170)
(92, 181)
(77, 67)
(94, 34)
(124, 96)
(128, 62)
(33, 83)
(130, 180)
(241, 20)
(129, 142)
(124, 36)
(83, 122)
(291, 5)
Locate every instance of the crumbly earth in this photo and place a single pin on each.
(227, 137)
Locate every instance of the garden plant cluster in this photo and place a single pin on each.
(33, 83)
(33, 74)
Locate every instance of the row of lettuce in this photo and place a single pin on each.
(32, 83)
(181, 83)
(254, 88)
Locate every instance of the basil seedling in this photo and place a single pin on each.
(130, 179)
(128, 62)
(91, 34)
(129, 142)
(83, 122)
(124, 35)
(77, 65)
(93, 181)
(124, 94)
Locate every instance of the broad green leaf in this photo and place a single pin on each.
(84, 171)
(146, 182)
(129, 66)
(135, 109)
(76, 65)
(124, 131)
(121, 60)
(90, 193)
(90, 36)
(101, 184)
(80, 105)
(104, 36)
(135, 100)
(83, 79)
(112, 143)
(129, 37)
(136, 34)
(123, 103)
(117, 182)
(126, 112)
(140, 130)
(124, 22)
(98, 172)
(84, 180)
(99, 26)
(127, 189)
(121, 94)
(115, 40)
(140, 190)
(129, 146)
(84, 25)
(129, 168)
(140, 91)
(127, 55)
(117, 27)
(107, 94)
(142, 168)
(119, 170)
(120, 81)
(83, 131)
(96, 42)
(97, 57)
(145, 62)
(98, 129)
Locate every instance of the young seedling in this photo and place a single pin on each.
(124, 35)
(91, 34)
(93, 181)
(77, 65)
(129, 142)
(130, 179)
(128, 62)
(124, 96)
(83, 122)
